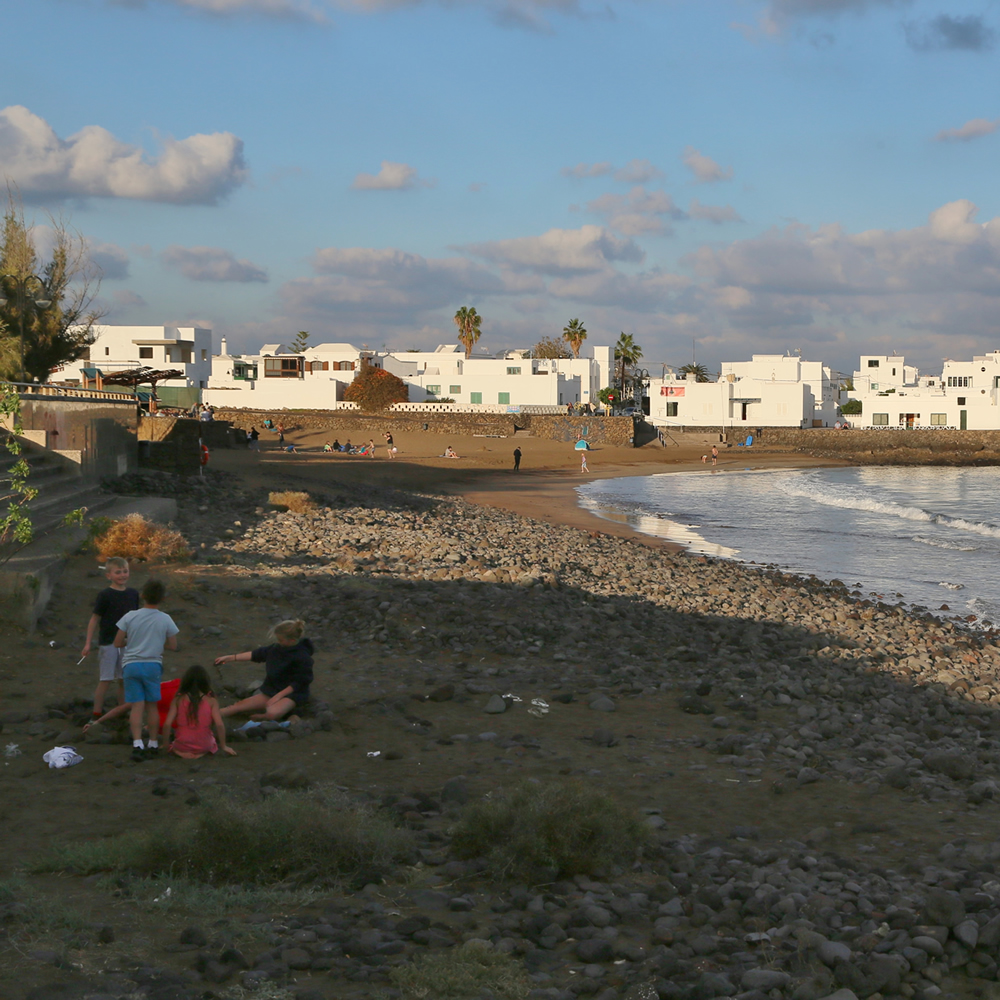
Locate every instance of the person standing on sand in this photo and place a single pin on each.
(583, 461)
(715, 454)
(517, 459)
(389, 445)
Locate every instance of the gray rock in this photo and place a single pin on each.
(602, 703)
(496, 705)
(841, 995)
(594, 950)
(952, 764)
(604, 738)
(831, 952)
(455, 791)
(808, 775)
(764, 979)
(967, 933)
(944, 907)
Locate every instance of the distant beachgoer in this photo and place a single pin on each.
(336, 444)
(254, 436)
(290, 449)
(280, 430)
(450, 452)
(327, 447)
(390, 447)
(583, 461)
(715, 454)
(371, 447)
(662, 438)
(517, 459)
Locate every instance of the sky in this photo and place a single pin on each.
(716, 178)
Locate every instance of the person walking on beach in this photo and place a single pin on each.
(390, 447)
(280, 431)
(517, 459)
(583, 461)
(715, 454)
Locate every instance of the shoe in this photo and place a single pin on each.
(138, 754)
(152, 753)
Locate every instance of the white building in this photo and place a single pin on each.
(513, 380)
(279, 378)
(186, 348)
(770, 390)
(965, 395)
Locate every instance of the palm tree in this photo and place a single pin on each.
(627, 353)
(700, 372)
(468, 322)
(575, 333)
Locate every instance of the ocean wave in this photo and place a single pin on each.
(849, 498)
(952, 586)
(939, 543)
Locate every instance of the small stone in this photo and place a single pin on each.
(764, 979)
(455, 791)
(594, 950)
(496, 705)
(604, 738)
(944, 907)
(808, 775)
(831, 952)
(194, 936)
(444, 693)
(602, 703)
(967, 933)
(956, 766)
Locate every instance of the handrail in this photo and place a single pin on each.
(69, 391)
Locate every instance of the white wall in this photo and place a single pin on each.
(119, 347)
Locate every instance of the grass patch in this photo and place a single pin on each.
(318, 837)
(461, 973)
(179, 894)
(25, 915)
(543, 832)
(133, 537)
(296, 502)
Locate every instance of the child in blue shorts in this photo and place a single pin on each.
(145, 634)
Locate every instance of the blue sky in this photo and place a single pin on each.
(750, 176)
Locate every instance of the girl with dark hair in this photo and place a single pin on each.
(194, 712)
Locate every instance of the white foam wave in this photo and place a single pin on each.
(852, 498)
(952, 586)
(939, 543)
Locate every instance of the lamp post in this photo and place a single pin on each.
(21, 284)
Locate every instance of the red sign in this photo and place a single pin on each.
(671, 390)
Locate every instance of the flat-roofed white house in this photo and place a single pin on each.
(965, 396)
(516, 379)
(279, 378)
(186, 348)
(770, 390)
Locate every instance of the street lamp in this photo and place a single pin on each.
(21, 284)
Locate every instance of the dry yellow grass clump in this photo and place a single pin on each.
(297, 503)
(133, 537)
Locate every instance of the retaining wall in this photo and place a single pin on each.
(890, 446)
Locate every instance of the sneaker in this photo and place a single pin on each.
(152, 752)
(138, 754)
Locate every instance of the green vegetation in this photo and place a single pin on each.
(300, 343)
(375, 389)
(27, 916)
(550, 347)
(700, 372)
(469, 324)
(851, 408)
(575, 333)
(294, 838)
(169, 893)
(542, 832)
(471, 971)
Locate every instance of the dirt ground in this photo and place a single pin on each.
(654, 764)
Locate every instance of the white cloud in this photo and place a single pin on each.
(704, 168)
(637, 172)
(112, 259)
(391, 177)
(287, 9)
(200, 169)
(128, 299)
(640, 211)
(560, 251)
(211, 264)
(948, 33)
(588, 170)
(713, 213)
(975, 128)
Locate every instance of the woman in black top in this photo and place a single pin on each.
(288, 672)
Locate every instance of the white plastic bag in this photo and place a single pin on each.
(62, 757)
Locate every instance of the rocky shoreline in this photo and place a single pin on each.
(792, 683)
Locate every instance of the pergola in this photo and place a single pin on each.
(134, 377)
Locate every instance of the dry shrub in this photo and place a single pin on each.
(297, 503)
(133, 537)
(541, 832)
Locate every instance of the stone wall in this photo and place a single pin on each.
(920, 447)
(618, 431)
(171, 444)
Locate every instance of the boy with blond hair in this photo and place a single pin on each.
(112, 603)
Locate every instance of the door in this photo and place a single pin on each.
(963, 420)
(744, 405)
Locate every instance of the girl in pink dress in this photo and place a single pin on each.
(193, 713)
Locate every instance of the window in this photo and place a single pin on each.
(244, 372)
(432, 390)
(454, 389)
(475, 397)
(318, 366)
(939, 419)
(880, 420)
(144, 352)
(204, 355)
(504, 397)
(960, 381)
(894, 371)
(513, 371)
(107, 351)
(185, 354)
(671, 409)
(282, 367)
(961, 400)
(872, 363)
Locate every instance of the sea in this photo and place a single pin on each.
(918, 536)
